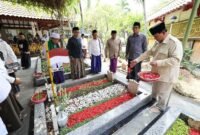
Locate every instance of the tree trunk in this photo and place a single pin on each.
(88, 4)
(145, 17)
(81, 13)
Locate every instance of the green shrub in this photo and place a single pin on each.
(178, 128)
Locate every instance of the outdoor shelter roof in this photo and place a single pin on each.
(17, 10)
(18, 16)
(174, 5)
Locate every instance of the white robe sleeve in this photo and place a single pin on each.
(10, 54)
(3, 129)
(9, 78)
(89, 48)
(4, 73)
(102, 47)
(5, 88)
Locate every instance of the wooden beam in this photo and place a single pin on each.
(23, 23)
(13, 21)
(18, 22)
(145, 17)
(7, 21)
(16, 28)
(17, 25)
(1, 22)
(41, 22)
(29, 19)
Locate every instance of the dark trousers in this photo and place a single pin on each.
(15, 87)
(25, 60)
(96, 64)
(10, 110)
(113, 65)
(133, 72)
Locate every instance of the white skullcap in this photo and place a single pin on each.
(55, 35)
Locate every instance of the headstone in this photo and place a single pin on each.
(133, 87)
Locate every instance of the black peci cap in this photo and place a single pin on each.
(136, 24)
(113, 32)
(75, 29)
(158, 28)
(94, 31)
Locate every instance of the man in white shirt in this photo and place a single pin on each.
(4, 73)
(84, 45)
(8, 54)
(10, 108)
(5, 88)
(95, 52)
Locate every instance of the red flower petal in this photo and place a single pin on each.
(85, 85)
(95, 111)
(194, 132)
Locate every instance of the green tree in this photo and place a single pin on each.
(124, 5)
(105, 18)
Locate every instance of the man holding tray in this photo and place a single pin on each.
(167, 54)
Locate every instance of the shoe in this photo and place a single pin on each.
(153, 100)
(17, 95)
(155, 109)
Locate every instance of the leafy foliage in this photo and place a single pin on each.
(122, 55)
(63, 100)
(56, 7)
(179, 128)
(105, 18)
(124, 5)
(186, 63)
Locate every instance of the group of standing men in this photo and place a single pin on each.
(77, 51)
(167, 53)
(136, 45)
(95, 50)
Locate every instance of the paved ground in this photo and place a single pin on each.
(184, 103)
(27, 89)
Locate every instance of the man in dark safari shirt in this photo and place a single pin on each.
(136, 45)
(74, 47)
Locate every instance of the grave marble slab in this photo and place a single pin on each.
(112, 117)
(164, 123)
(138, 123)
(167, 120)
(40, 127)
